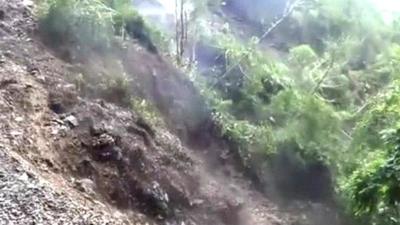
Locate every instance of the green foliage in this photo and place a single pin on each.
(302, 56)
(147, 111)
(313, 124)
(87, 23)
(125, 14)
(322, 20)
(251, 138)
(90, 24)
(325, 99)
(384, 114)
(372, 189)
(115, 88)
(128, 21)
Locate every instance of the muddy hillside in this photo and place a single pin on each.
(117, 137)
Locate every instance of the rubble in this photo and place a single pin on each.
(25, 200)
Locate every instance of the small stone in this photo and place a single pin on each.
(197, 202)
(72, 120)
(85, 185)
(54, 131)
(41, 78)
(19, 119)
(16, 133)
(8, 54)
(57, 121)
(27, 3)
(2, 15)
(24, 177)
(2, 60)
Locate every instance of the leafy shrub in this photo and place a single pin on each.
(147, 111)
(373, 187)
(311, 123)
(115, 88)
(91, 24)
(302, 56)
(125, 14)
(86, 23)
(251, 139)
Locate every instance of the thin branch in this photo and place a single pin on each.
(328, 70)
(331, 86)
(359, 110)
(324, 99)
(347, 135)
(243, 72)
(287, 12)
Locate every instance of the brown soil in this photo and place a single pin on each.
(107, 156)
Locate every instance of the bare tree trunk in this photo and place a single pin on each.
(181, 20)
(182, 34)
(177, 32)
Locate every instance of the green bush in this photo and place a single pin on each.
(370, 181)
(89, 24)
(85, 23)
(302, 56)
(115, 88)
(147, 111)
(311, 123)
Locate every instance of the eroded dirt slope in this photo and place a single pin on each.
(66, 156)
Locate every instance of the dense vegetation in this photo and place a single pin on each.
(331, 99)
(95, 24)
